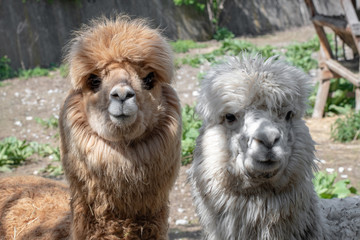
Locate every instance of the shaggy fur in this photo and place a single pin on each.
(254, 159)
(120, 129)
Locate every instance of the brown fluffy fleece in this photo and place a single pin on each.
(120, 129)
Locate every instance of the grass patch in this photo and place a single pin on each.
(34, 72)
(183, 46)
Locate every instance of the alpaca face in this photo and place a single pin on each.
(120, 66)
(260, 144)
(120, 99)
(252, 112)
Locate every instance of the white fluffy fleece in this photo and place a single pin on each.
(253, 167)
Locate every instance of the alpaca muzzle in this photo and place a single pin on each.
(122, 108)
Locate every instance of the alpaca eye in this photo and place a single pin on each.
(94, 82)
(289, 115)
(230, 117)
(148, 81)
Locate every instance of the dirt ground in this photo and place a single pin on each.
(22, 101)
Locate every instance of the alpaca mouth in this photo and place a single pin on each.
(120, 119)
(262, 169)
(120, 116)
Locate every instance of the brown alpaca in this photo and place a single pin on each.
(120, 129)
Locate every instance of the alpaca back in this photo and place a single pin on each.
(30, 211)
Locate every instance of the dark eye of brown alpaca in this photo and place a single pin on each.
(148, 81)
(94, 82)
(289, 115)
(230, 117)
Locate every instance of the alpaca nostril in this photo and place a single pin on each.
(259, 141)
(130, 95)
(268, 139)
(122, 94)
(276, 139)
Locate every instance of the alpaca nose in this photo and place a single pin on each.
(122, 93)
(267, 136)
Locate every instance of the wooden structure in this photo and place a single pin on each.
(347, 28)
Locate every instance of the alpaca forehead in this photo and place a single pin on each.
(120, 47)
(239, 89)
(102, 44)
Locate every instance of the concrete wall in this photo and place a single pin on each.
(263, 16)
(33, 33)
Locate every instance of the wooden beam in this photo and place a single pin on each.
(339, 26)
(353, 21)
(324, 43)
(333, 22)
(342, 71)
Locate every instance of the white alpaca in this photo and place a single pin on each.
(254, 159)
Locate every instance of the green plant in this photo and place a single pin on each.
(326, 187)
(183, 46)
(53, 170)
(223, 33)
(13, 152)
(199, 5)
(346, 129)
(235, 47)
(5, 69)
(213, 8)
(34, 72)
(339, 102)
(193, 61)
(190, 132)
(51, 122)
(299, 54)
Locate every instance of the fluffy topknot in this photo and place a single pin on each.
(118, 39)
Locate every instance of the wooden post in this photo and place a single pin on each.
(323, 91)
(357, 99)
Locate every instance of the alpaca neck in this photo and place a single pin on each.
(290, 214)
